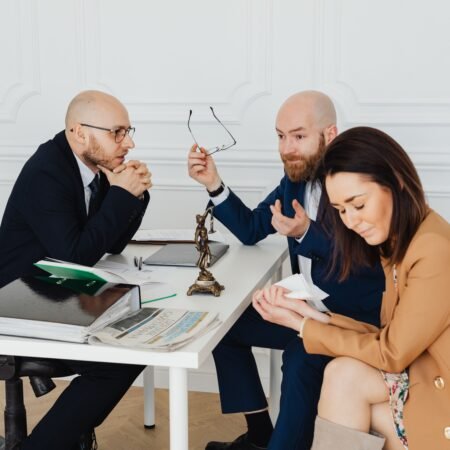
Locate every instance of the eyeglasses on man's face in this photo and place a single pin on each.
(211, 151)
(119, 133)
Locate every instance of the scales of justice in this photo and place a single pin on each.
(205, 282)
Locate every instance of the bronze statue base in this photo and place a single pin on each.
(206, 284)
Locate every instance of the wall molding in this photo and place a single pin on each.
(255, 157)
(256, 83)
(25, 40)
(328, 75)
(172, 185)
(259, 188)
(438, 192)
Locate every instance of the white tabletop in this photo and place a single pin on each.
(242, 270)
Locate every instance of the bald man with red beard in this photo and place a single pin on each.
(305, 124)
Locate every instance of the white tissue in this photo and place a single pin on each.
(300, 288)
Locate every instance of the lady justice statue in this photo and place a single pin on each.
(205, 283)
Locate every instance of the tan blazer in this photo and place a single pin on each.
(415, 334)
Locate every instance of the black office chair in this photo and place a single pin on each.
(40, 372)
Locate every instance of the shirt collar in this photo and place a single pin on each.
(86, 174)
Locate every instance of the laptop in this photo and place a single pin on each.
(185, 255)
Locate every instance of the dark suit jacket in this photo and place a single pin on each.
(358, 297)
(46, 215)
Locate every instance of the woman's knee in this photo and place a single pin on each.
(344, 372)
(349, 375)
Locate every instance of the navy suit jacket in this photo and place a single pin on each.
(358, 297)
(46, 215)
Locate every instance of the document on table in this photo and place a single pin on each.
(142, 277)
(127, 272)
(157, 285)
(165, 236)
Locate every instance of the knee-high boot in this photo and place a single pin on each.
(329, 435)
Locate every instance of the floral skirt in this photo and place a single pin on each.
(398, 386)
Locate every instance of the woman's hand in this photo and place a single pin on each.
(271, 300)
(266, 303)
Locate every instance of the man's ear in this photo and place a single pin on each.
(79, 134)
(330, 133)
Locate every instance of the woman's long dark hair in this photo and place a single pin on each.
(375, 155)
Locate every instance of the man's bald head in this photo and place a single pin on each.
(93, 120)
(317, 104)
(93, 107)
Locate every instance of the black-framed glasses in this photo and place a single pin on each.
(119, 133)
(211, 151)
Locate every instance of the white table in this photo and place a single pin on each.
(242, 270)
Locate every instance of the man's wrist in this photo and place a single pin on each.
(217, 191)
(301, 234)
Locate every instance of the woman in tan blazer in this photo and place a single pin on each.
(394, 381)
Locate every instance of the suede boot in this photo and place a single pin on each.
(329, 435)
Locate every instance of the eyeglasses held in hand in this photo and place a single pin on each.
(211, 151)
(119, 133)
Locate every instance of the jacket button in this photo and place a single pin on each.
(447, 433)
(439, 383)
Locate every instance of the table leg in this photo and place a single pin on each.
(275, 367)
(149, 397)
(178, 408)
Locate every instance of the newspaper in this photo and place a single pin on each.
(160, 329)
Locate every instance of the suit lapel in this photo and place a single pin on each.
(67, 153)
(293, 191)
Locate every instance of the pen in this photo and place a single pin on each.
(160, 298)
(138, 262)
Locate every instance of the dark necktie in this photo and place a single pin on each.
(94, 186)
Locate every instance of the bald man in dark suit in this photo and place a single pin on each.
(76, 199)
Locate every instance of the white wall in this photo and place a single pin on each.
(384, 63)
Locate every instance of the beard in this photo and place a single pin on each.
(96, 155)
(303, 168)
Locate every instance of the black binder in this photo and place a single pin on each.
(60, 309)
